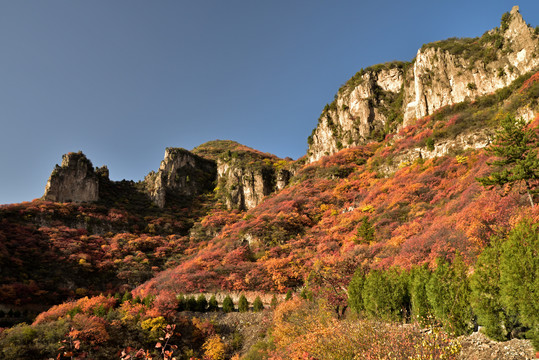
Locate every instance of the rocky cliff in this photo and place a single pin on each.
(245, 176)
(74, 181)
(181, 173)
(381, 98)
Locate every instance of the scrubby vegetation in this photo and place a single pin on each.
(375, 252)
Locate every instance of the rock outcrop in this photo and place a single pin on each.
(181, 173)
(242, 187)
(74, 181)
(245, 175)
(383, 97)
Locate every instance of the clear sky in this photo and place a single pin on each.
(121, 80)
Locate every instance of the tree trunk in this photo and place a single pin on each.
(529, 194)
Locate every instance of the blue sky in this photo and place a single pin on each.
(121, 80)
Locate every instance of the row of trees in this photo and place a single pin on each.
(501, 294)
(201, 304)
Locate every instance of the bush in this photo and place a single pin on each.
(213, 305)
(258, 305)
(385, 295)
(243, 304)
(421, 309)
(191, 304)
(448, 292)
(181, 303)
(288, 295)
(228, 304)
(355, 291)
(274, 302)
(202, 303)
(519, 276)
(485, 297)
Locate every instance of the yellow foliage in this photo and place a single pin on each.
(214, 348)
(367, 208)
(154, 325)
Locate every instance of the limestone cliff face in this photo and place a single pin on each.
(383, 97)
(181, 173)
(74, 181)
(243, 186)
(245, 175)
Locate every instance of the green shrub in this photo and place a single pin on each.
(181, 303)
(448, 292)
(519, 276)
(258, 305)
(274, 302)
(485, 297)
(243, 304)
(191, 304)
(385, 295)
(202, 303)
(213, 305)
(421, 309)
(288, 295)
(355, 291)
(228, 304)
(430, 144)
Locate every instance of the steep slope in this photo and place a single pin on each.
(381, 98)
(404, 201)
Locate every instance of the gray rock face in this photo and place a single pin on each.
(181, 173)
(443, 73)
(74, 181)
(244, 187)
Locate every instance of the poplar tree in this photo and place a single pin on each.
(515, 147)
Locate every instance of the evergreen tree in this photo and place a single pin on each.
(258, 305)
(519, 276)
(421, 309)
(274, 302)
(486, 294)
(355, 291)
(243, 304)
(515, 147)
(385, 295)
(213, 305)
(181, 303)
(365, 231)
(448, 292)
(228, 304)
(191, 303)
(202, 303)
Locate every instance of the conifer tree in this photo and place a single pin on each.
(191, 303)
(355, 290)
(515, 147)
(519, 276)
(258, 305)
(202, 303)
(274, 302)
(365, 231)
(486, 294)
(448, 292)
(213, 305)
(228, 304)
(243, 304)
(181, 303)
(421, 309)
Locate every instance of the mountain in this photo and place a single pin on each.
(383, 217)
(384, 97)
